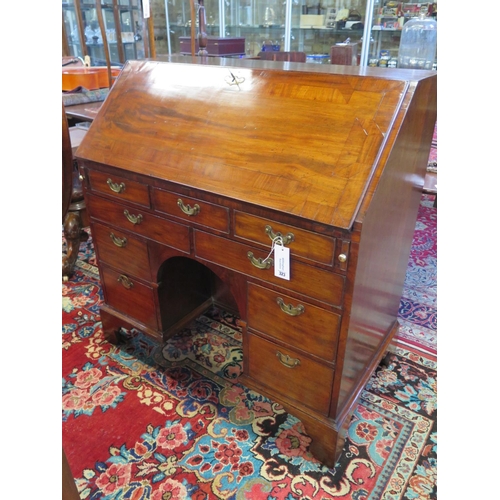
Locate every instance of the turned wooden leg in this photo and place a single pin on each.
(74, 234)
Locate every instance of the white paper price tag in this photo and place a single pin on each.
(146, 9)
(282, 262)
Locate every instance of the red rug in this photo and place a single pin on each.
(142, 421)
(418, 307)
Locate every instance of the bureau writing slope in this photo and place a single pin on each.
(191, 169)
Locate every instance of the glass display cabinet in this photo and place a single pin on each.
(124, 27)
(308, 26)
(290, 25)
(372, 27)
(387, 19)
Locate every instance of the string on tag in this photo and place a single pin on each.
(277, 240)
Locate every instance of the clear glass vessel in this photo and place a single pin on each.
(418, 43)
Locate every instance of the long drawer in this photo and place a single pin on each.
(309, 245)
(119, 248)
(140, 222)
(297, 323)
(286, 372)
(129, 296)
(318, 283)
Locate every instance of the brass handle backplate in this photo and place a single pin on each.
(187, 208)
(134, 219)
(260, 263)
(285, 239)
(287, 361)
(119, 242)
(116, 188)
(125, 281)
(289, 309)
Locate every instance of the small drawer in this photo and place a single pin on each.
(123, 189)
(191, 209)
(140, 222)
(321, 284)
(290, 374)
(126, 294)
(293, 321)
(309, 245)
(118, 248)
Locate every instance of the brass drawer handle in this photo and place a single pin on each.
(125, 281)
(119, 242)
(286, 239)
(287, 361)
(289, 309)
(260, 263)
(116, 188)
(134, 219)
(342, 257)
(187, 208)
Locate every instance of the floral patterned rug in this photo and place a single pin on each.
(146, 421)
(418, 307)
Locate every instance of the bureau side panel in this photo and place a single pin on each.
(386, 224)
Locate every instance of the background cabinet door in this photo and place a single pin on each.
(124, 27)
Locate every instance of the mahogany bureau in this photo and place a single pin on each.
(194, 167)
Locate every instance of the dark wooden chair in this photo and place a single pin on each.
(292, 56)
(73, 206)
